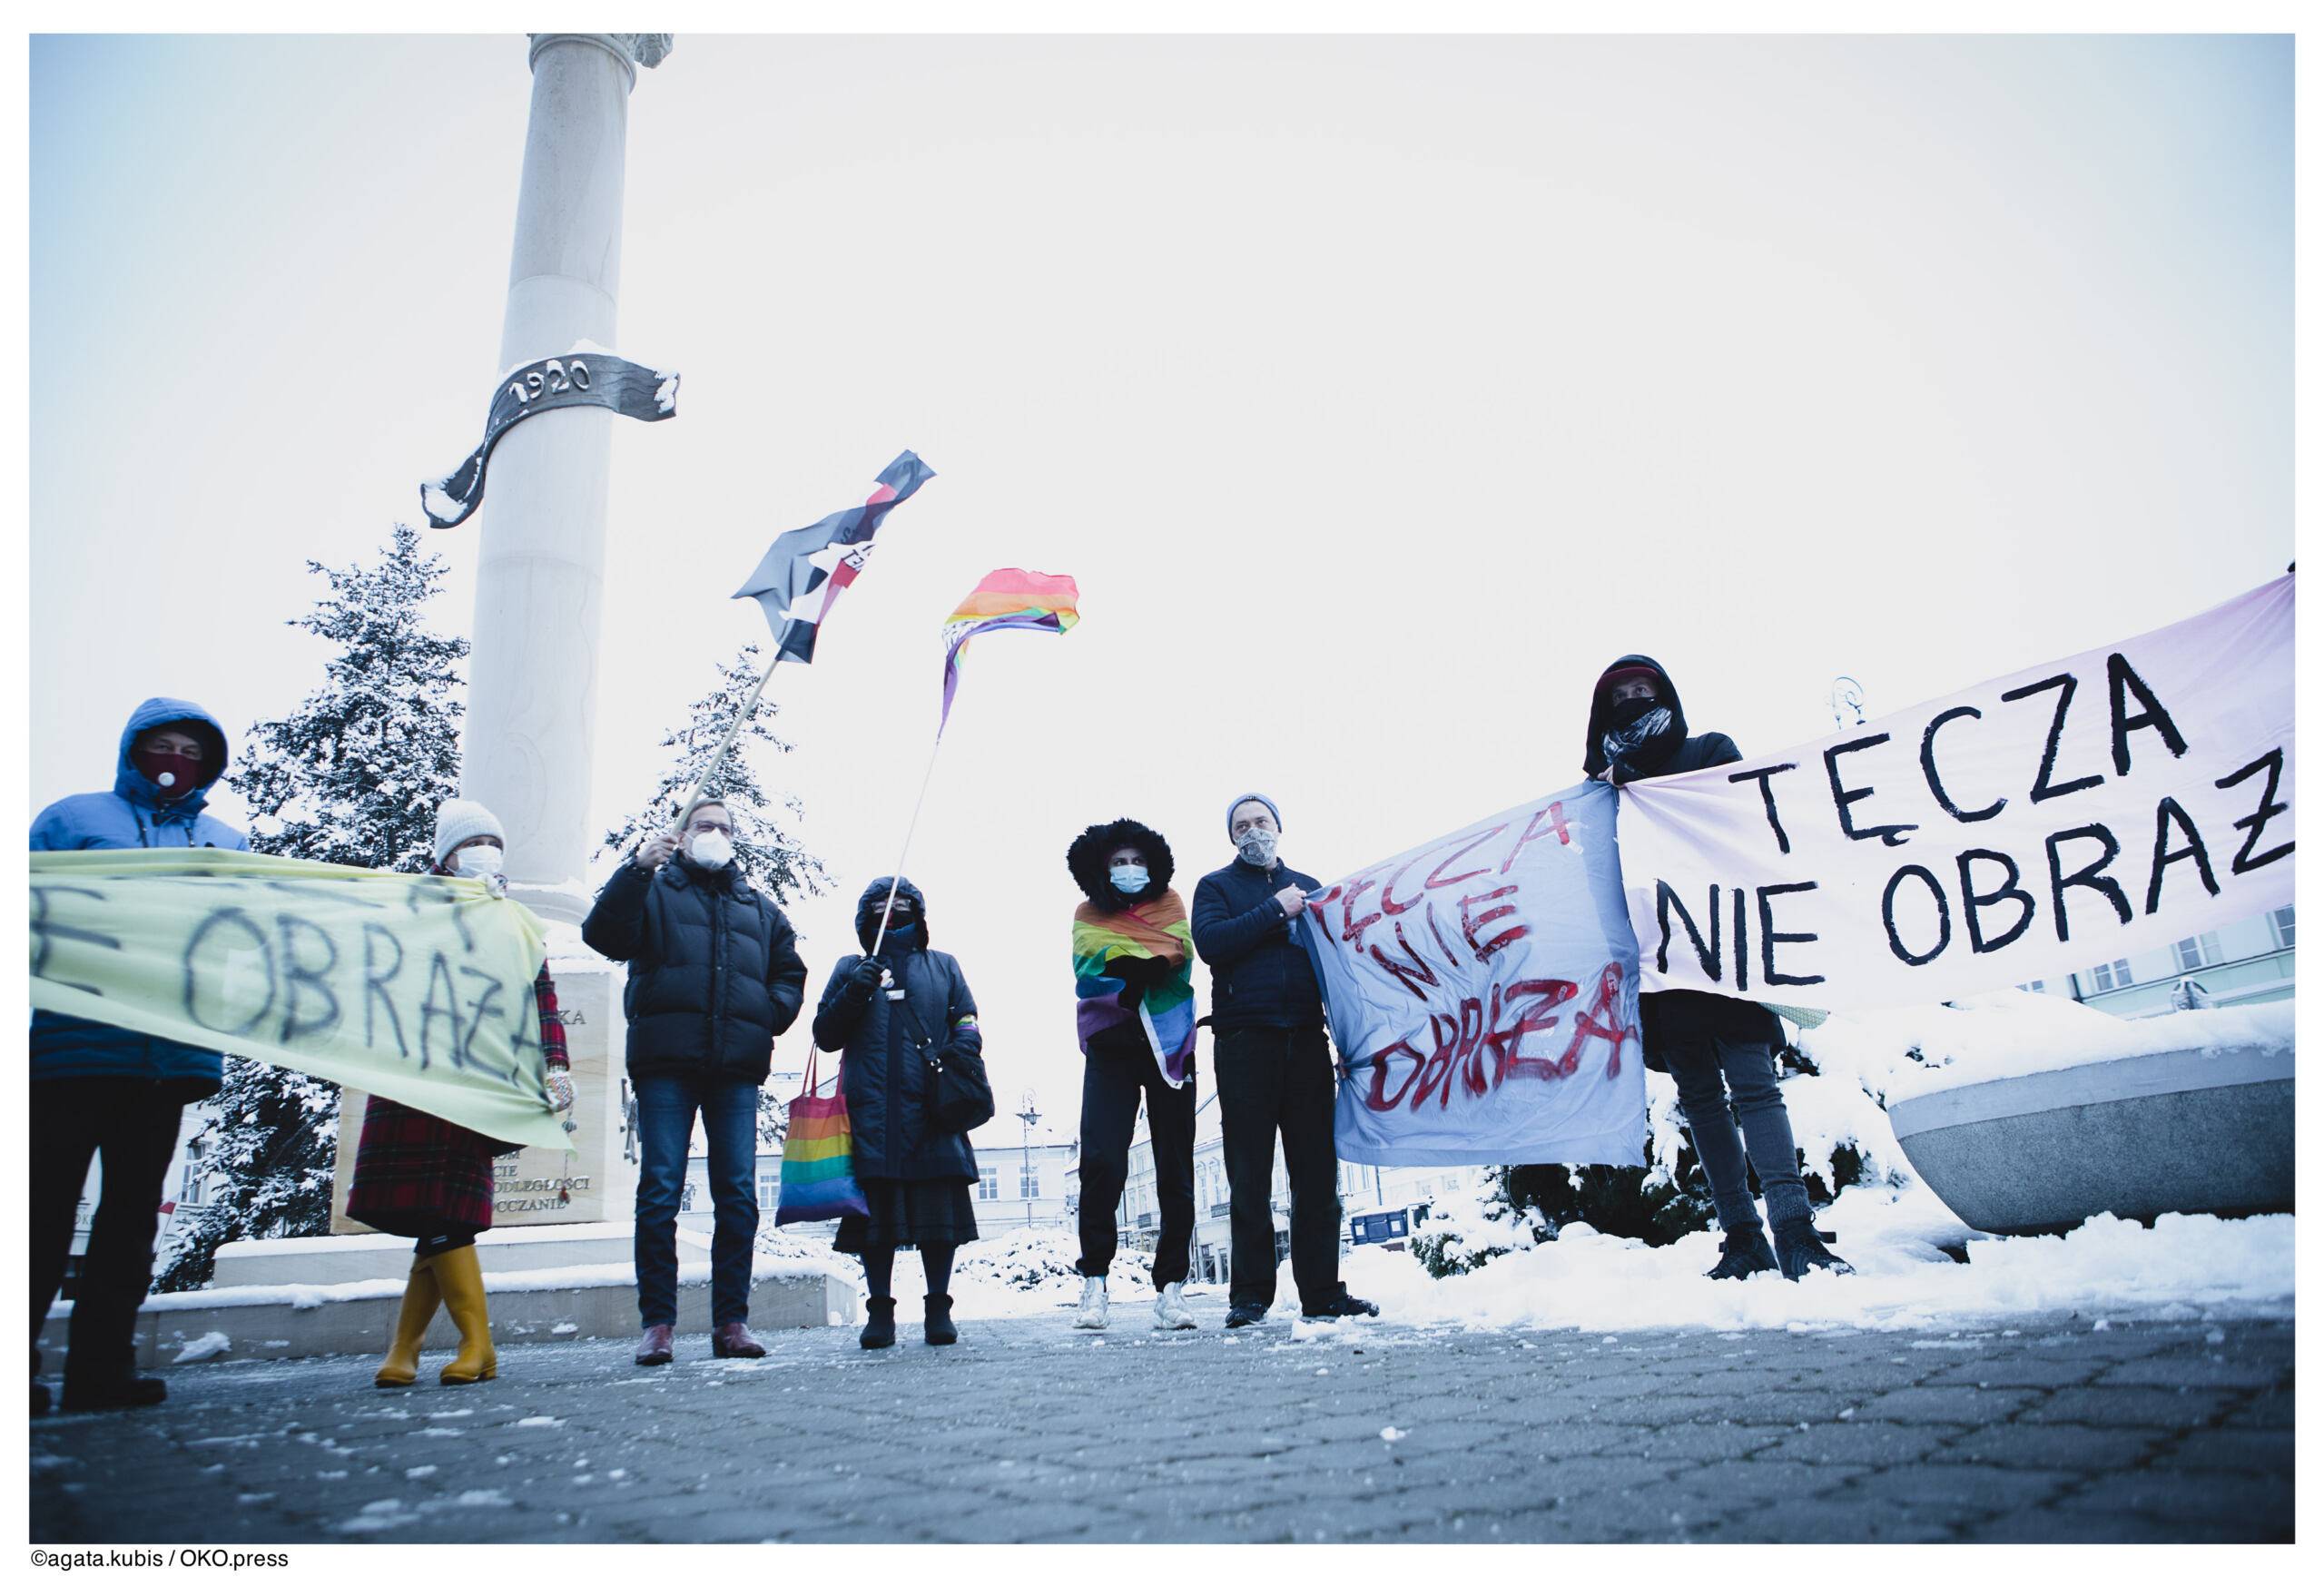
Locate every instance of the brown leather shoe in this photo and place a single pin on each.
(735, 1341)
(653, 1346)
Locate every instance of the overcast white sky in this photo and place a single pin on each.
(1378, 391)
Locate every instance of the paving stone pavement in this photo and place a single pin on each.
(2052, 1428)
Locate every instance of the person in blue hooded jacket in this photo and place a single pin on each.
(117, 1094)
(890, 1010)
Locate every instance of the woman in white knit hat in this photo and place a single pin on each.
(421, 1177)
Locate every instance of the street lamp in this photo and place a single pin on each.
(1847, 696)
(1029, 1117)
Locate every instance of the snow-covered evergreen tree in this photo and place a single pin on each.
(768, 853)
(272, 1136)
(353, 776)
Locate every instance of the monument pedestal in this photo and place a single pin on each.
(597, 1182)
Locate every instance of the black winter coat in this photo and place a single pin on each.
(886, 1047)
(1260, 977)
(1674, 752)
(1684, 1017)
(714, 973)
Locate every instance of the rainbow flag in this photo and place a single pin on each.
(1156, 929)
(819, 1159)
(1007, 600)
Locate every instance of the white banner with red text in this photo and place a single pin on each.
(1483, 992)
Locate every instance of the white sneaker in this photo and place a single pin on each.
(1170, 1311)
(1091, 1315)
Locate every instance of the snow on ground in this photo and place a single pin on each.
(1905, 1051)
(1903, 1281)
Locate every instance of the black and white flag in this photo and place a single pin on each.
(592, 377)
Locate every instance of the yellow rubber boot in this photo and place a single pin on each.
(462, 1281)
(421, 1300)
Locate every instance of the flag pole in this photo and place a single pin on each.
(898, 880)
(718, 758)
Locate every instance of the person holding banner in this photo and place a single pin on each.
(1712, 1046)
(1275, 1071)
(714, 977)
(421, 1177)
(1133, 976)
(890, 1009)
(112, 1093)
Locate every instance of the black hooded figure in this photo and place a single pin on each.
(1122, 865)
(1712, 1046)
(916, 1181)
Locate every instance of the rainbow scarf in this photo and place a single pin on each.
(1007, 600)
(1155, 928)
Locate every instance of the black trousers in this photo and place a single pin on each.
(1113, 1077)
(132, 1124)
(1274, 1081)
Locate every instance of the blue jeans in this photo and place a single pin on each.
(666, 1104)
(1716, 1047)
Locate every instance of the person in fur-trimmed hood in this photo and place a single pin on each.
(1712, 1046)
(1133, 981)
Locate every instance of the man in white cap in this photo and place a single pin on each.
(1274, 1067)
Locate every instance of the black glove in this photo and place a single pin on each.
(864, 980)
(1144, 972)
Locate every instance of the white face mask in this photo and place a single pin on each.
(1256, 847)
(711, 848)
(483, 860)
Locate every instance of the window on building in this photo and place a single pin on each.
(2280, 923)
(2195, 951)
(770, 1187)
(1028, 1183)
(2107, 977)
(988, 1183)
(2033, 986)
(190, 1186)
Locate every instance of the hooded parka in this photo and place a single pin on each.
(1663, 1014)
(887, 1046)
(1672, 753)
(133, 816)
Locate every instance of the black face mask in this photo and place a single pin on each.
(1622, 713)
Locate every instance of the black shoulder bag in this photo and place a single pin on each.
(959, 1094)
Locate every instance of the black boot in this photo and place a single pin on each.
(1799, 1248)
(1744, 1252)
(942, 1333)
(879, 1324)
(124, 1387)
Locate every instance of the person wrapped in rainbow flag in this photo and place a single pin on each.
(1133, 976)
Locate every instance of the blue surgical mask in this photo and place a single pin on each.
(1129, 878)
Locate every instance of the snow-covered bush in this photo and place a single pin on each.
(1466, 1227)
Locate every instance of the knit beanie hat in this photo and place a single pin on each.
(458, 821)
(1245, 799)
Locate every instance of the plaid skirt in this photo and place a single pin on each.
(417, 1174)
(906, 1215)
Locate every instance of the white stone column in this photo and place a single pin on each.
(540, 571)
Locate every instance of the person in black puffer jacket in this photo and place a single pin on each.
(1711, 1045)
(714, 977)
(889, 1010)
